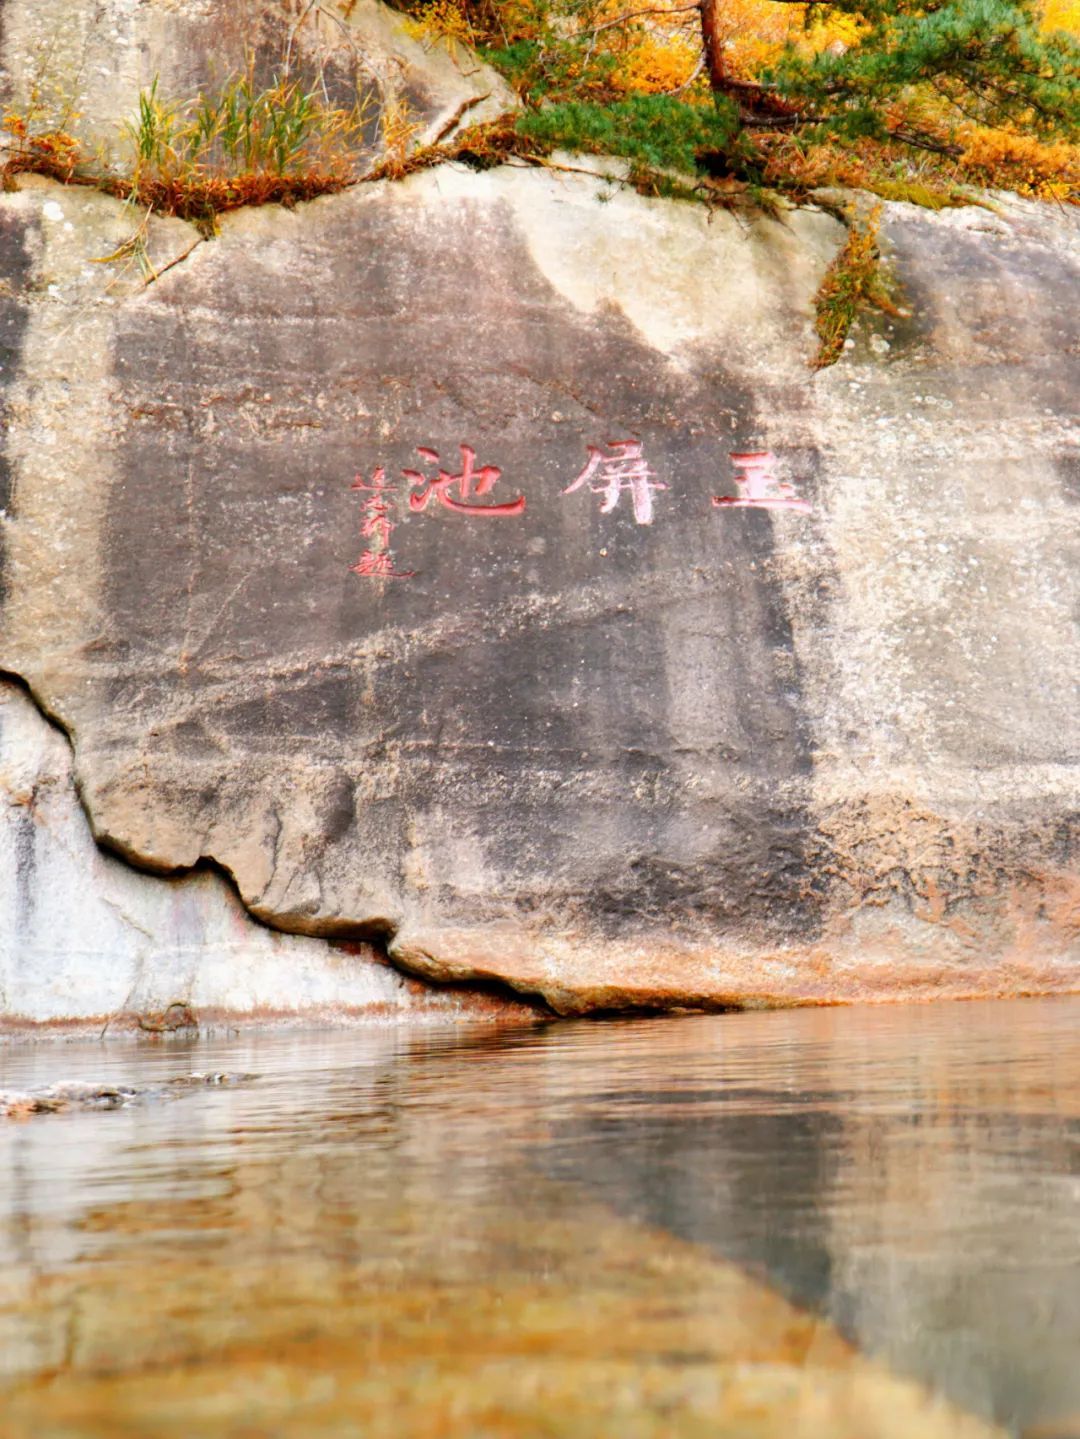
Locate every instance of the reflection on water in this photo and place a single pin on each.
(815, 1223)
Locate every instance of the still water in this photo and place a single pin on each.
(832, 1223)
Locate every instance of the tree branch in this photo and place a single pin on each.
(653, 10)
(922, 141)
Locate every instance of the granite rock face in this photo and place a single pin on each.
(89, 945)
(372, 553)
(82, 64)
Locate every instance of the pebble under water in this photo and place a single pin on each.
(842, 1222)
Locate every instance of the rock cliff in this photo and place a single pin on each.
(88, 945)
(373, 552)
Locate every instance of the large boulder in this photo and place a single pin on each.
(572, 725)
(81, 65)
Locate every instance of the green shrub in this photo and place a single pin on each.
(656, 131)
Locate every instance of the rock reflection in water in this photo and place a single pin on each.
(914, 1175)
(643, 1228)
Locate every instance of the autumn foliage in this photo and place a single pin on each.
(703, 99)
(915, 102)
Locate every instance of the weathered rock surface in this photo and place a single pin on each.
(81, 65)
(86, 941)
(730, 755)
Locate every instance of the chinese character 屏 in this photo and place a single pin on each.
(624, 469)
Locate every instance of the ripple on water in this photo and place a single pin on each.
(834, 1222)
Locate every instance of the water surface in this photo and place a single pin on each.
(824, 1222)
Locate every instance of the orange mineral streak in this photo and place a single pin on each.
(920, 908)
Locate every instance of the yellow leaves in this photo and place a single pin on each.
(440, 20)
(792, 162)
(657, 65)
(606, 49)
(1001, 158)
(753, 32)
(1062, 15)
(54, 151)
(853, 282)
(841, 29)
(397, 130)
(656, 51)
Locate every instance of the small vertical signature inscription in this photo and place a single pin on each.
(376, 527)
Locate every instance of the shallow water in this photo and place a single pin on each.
(832, 1222)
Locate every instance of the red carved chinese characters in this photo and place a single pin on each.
(439, 488)
(377, 564)
(624, 469)
(759, 487)
(608, 472)
(376, 526)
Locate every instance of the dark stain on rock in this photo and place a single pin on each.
(968, 290)
(25, 848)
(192, 740)
(16, 266)
(1068, 468)
(602, 711)
(339, 808)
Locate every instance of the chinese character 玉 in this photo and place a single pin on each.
(759, 486)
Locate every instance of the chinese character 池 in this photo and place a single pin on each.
(759, 487)
(376, 526)
(469, 476)
(624, 469)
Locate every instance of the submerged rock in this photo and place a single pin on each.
(78, 1094)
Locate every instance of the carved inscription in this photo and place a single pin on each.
(376, 527)
(611, 471)
(758, 485)
(625, 468)
(441, 487)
